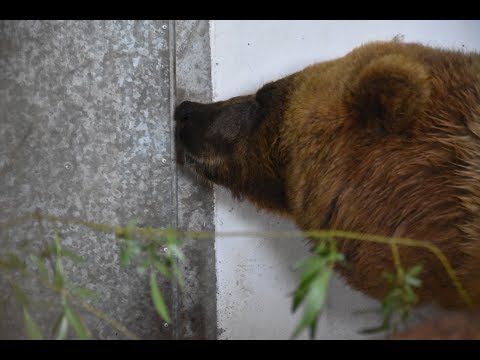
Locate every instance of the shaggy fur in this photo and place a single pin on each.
(385, 140)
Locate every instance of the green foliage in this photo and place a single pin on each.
(397, 305)
(55, 252)
(144, 252)
(142, 247)
(84, 293)
(33, 330)
(157, 298)
(76, 321)
(60, 328)
(315, 275)
(19, 294)
(12, 262)
(158, 252)
(42, 271)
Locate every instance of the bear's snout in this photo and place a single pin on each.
(191, 121)
(184, 111)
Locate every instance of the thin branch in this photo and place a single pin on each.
(89, 308)
(396, 258)
(112, 322)
(315, 234)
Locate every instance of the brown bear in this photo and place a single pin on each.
(385, 140)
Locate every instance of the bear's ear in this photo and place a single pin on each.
(271, 98)
(388, 94)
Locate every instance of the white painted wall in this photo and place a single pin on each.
(254, 274)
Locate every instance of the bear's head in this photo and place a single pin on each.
(245, 143)
(234, 143)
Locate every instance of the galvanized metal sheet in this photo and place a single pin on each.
(86, 132)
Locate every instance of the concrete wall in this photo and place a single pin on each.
(254, 276)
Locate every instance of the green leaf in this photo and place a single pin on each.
(163, 269)
(315, 274)
(84, 292)
(47, 252)
(124, 256)
(398, 303)
(58, 277)
(72, 255)
(339, 257)
(413, 281)
(298, 297)
(132, 223)
(19, 294)
(309, 267)
(322, 248)
(57, 246)
(157, 298)
(176, 252)
(388, 308)
(302, 289)
(390, 277)
(394, 293)
(415, 270)
(141, 269)
(76, 322)
(11, 262)
(410, 296)
(314, 302)
(42, 271)
(133, 248)
(33, 330)
(60, 329)
(157, 263)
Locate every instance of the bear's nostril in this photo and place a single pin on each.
(183, 111)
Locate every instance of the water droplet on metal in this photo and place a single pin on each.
(164, 161)
(68, 166)
(164, 27)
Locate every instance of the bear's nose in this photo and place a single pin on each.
(184, 111)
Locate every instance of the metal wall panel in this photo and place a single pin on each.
(86, 132)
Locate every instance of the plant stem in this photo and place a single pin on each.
(316, 234)
(89, 308)
(396, 259)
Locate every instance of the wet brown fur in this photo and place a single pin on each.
(385, 140)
